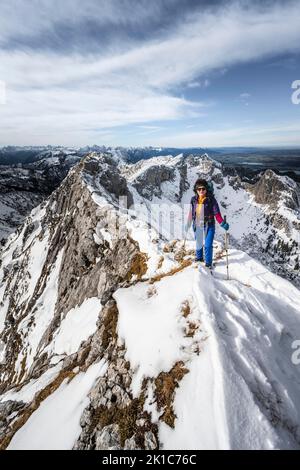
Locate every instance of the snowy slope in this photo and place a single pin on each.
(107, 320)
(243, 386)
(55, 424)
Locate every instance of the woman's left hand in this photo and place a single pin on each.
(225, 225)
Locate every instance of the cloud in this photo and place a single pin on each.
(2, 93)
(198, 84)
(282, 134)
(55, 94)
(154, 128)
(194, 84)
(74, 25)
(245, 96)
(289, 63)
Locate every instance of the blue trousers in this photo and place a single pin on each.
(205, 236)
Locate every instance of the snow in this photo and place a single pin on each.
(55, 424)
(51, 161)
(13, 241)
(77, 326)
(3, 312)
(251, 323)
(27, 393)
(38, 254)
(133, 171)
(164, 216)
(32, 334)
(148, 241)
(2, 352)
(255, 316)
(202, 425)
(243, 381)
(97, 240)
(107, 236)
(152, 327)
(100, 200)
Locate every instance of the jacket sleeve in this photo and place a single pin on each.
(216, 211)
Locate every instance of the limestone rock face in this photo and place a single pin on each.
(272, 189)
(108, 438)
(148, 184)
(103, 171)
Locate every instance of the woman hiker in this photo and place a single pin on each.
(204, 208)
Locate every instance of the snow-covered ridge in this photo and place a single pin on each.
(109, 321)
(132, 171)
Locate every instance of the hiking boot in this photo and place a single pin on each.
(199, 259)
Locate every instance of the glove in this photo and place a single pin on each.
(225, 225)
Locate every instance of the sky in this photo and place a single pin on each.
(175, 73)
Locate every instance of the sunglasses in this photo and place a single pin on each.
(201, 188)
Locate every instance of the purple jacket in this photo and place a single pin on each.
(211, 211)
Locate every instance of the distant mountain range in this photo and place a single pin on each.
(283, 160)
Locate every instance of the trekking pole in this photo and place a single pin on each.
(203, 243)
(226, 249)
(184, 240)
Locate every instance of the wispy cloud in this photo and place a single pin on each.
(196, 84)
(282, 134)
(199, 84)
(154, 128)
(2, 93)
(245, 96)
(62, 93)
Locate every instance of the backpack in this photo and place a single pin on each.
(210, 188)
